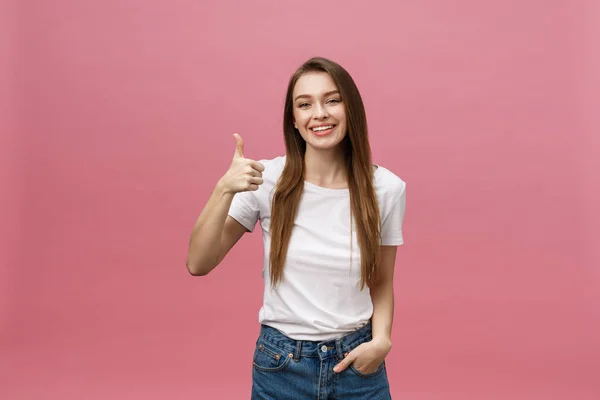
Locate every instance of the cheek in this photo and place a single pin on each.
(299, 118)
(297, 113)
(341, 116)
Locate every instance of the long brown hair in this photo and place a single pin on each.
(357, 152)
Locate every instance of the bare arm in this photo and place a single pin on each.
(382, 295)
(215, 233)
(369, 355)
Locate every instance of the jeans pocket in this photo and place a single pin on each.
(268, 358)
(363, 375)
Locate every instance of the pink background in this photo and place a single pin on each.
(117, 119)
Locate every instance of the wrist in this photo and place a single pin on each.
(382, 342)
(222, 189)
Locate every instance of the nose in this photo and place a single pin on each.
(321, 112)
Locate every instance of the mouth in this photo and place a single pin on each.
(322, 130)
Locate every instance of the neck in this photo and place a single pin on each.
(325, 168)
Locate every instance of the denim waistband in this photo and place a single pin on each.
(324, 349)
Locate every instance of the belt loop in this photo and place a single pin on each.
(298, 350)
(338, 348)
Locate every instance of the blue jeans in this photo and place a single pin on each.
(287, 369)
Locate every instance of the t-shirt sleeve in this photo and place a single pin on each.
(391, 228)
(244, 209)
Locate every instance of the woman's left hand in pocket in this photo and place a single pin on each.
(366, 357)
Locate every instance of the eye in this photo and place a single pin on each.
(302, 105)
(334, 101)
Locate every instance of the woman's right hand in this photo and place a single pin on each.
(244, 174)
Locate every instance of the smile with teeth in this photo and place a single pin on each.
(322, 128)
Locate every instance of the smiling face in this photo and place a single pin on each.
(319, 111)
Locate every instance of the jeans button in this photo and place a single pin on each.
(324, 349)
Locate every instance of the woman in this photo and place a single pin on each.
(331, 222)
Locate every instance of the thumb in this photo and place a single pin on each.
(345, 363)
(239, 146)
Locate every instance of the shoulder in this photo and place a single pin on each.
(273, 169)
(273, 166)
(387, 184)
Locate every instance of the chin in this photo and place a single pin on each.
(325, 144)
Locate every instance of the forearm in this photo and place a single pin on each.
(205, 240)
(382, 296)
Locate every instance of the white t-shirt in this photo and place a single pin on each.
(319, 296)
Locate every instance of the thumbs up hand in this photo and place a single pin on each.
(244, 174)
(239, 146)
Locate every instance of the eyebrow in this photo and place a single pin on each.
(325, 94)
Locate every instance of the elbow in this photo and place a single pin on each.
(197, 270)
(194, 272)
(201, 266)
